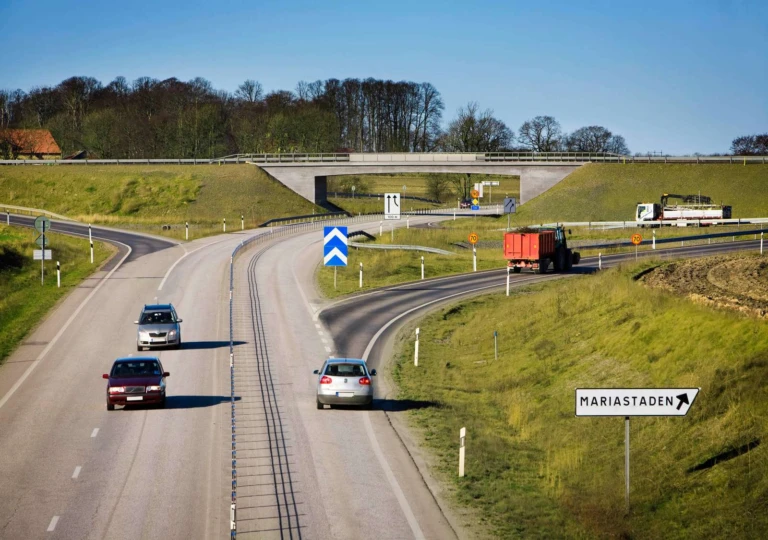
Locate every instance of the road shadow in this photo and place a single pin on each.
(192, 345)
(391, 405)
(196, 402)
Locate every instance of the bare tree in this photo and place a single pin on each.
(540, 134)
(750, 145)
(250, 91)
(475, 131)
(596, 139)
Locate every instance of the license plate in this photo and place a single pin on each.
(345, 394)
(134, 398)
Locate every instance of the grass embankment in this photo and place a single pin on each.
(535, 470)
(146, 197)
(23, 300)
(608, 192)
(416, 185)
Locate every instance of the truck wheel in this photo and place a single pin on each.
(516, 269)
(560, 261)
(569, 262)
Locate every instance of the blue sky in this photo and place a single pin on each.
(673, 76)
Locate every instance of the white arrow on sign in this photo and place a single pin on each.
(335, 233)
(634, 401)
(335, 252)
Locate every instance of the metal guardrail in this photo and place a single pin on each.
(401, 157)
(302, 219)
(23, 210)
(403, 247)
(674, 240)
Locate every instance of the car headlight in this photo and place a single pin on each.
(117, 389)
(172, 334)
(154, 388)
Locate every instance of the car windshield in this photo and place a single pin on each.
(156, 317)
(345, 370)
(135, 369)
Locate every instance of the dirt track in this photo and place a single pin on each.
(734, 282)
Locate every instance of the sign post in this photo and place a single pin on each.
(416, 350)
(43, 224)
(473, 238)
(628, 402)
(510, 207)
(475, 194)
(462, 438)
(636, 239)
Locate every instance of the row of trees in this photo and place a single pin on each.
(478, 131)
(750, 145)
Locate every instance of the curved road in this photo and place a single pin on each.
(70, 469)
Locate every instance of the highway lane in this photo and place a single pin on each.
(141, 244)
(70, 467)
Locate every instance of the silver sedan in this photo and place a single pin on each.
(344, 381)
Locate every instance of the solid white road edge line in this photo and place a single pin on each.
(54, 521)
(399, 495)
(168, 273)
(94, 432)
(61, 331)
(77, 472)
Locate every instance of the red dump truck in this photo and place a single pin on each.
(538, 249)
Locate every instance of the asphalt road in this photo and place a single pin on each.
(70, 469)
(140, 244)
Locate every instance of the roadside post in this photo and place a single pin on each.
(473, 238)
(416, 350)
(361, 275)
(422, 266)
(186, 230)
(495, 345)
(636, 239)
(381, 228)
(462, 438)
(629, 402)
(42, 224)
(509, 271)
(407, 223)
(242, 222)
(654, 239)
(761, 243)
(224, 224)
(599, 261)
(90, 238)
(91, 252)
(58, 274)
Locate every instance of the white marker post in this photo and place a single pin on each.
(509, 271)
(58, 274)
(454, 215)
(599, 261)
(761, 243)
(186, 230)
(407, 223)
(416, 350)
(225, 224)
(90, 238)
(422, 267)
(654, 240)
(474, 259)
(361, 275)
(381, 228)
(242, 222)
(462, 438)
(91, 252)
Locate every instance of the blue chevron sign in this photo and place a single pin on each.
(335, 248)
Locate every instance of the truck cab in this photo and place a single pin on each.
(648, 211)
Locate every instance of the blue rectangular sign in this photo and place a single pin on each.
(335, 246)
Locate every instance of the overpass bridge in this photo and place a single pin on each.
(307, 174)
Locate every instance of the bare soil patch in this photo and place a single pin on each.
(738, 282)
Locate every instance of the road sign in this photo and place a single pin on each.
(474, 193)
(634, 401)
(42, 224)
(490, 183)
(473, 238)
(475, 207)
(636, 239)
(37, 255)
(510, 205)
(335, 247)
(391, 206)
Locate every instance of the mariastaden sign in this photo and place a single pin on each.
(634, 401)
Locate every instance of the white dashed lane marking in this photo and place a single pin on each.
(327, 349)
(94, 432)
(77, 472)
(54, 521)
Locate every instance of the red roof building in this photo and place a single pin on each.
(28, 144)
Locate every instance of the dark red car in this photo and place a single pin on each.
(136, 381)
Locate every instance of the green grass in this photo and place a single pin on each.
(145, 197)
(23, 300)
(365, 205)
(536, 471)
(608, 192)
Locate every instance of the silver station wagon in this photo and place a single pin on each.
(344, 381)
(159, 326)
